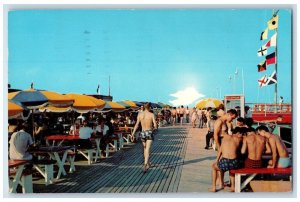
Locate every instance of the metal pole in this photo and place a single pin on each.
(276, 62)
(243, 81)
(109, 85)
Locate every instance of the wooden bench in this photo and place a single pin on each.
(87, 153)
(45, 168)
(253, 172)
(71, 160)
(20, 176)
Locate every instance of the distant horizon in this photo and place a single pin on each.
(176, 56)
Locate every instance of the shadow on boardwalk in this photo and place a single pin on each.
(122, 172)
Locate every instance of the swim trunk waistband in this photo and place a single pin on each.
(249, 163)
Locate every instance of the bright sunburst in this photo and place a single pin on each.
(186, 96)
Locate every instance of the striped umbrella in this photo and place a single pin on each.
(55, 109)
(113, 106)
(131, 104)
(208, 102)
(127, 106)
(85, 103)
(34, 99)
(15, 109)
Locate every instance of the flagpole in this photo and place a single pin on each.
(243, 81)
(109, 85)
(276, 30)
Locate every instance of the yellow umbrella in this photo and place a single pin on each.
(55, 109)
(56, 99)
(131, 104)
(34, 99)
(14, 109)
(113, 106)
(208, 102)
(85, 103)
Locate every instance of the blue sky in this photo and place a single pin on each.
(149, 55)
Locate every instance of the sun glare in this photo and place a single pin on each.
(186, 96)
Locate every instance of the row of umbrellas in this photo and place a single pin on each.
(54, 102)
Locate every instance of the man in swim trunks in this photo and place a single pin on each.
(227, 159)
(173, 114)
(147, 120)
(256, 146)
(280, 155)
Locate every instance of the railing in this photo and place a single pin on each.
(279, 108)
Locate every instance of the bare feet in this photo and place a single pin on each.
(221, 188)
(229, 189)
(146, 167)
(212, 190)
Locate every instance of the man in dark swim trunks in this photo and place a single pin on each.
(147, 120)
(227, 159)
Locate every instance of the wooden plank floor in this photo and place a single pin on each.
(122, 172)
(180, 164)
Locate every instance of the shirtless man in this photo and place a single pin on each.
(148, 123)
(181, 114)
(221, 125)
(280, 155)
(255, 145)
(227, 159)
(173, 114)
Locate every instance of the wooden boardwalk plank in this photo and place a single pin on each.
(123, 171)
(169, 155)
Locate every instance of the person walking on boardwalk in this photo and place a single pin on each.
(194, 117)
(174, 113)
(147, 120)
(181, 114)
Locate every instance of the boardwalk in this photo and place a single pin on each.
(179, 164)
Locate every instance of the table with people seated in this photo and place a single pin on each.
(125, 132)
(60, 139)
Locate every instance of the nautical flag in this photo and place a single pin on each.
(262, 51)
(264, 34)
(98, 88)
(272, 79)
(273, 23)
(262, 82)
(262, 66)
(272, 41)
(271, 59)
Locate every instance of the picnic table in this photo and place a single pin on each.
(61, 138)
(54, 153)
(25, 182)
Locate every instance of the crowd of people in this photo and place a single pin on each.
(240, 145)
(237, 143)
(23, 135)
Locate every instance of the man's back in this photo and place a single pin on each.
(256, 146)
(85, 132)
(229, 146)
(147, 120)
(19, 143)
(279, 145)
